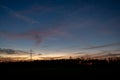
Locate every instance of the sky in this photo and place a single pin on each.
(60, 27)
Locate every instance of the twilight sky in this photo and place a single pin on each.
(56, 27)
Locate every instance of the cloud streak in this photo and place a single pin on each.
(38, 9)
(102, 46)
(19, 16)
(35, 35)
(11, 51)
(11, 55)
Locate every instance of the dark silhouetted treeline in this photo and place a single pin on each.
(63, 63)
(70, 68)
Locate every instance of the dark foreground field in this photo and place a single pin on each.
(59, 69)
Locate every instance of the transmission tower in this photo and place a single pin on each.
(31, 55)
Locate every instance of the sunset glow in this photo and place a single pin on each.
(59, 29)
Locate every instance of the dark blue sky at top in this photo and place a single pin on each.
(63, 26)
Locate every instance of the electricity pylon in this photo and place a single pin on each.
(31, 55)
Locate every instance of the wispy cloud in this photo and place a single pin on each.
(102, 46)
(12, 51)
(37, 8)
(98, 54)
(107, 53)
(19, 16)
(35, 35)
(11, 55)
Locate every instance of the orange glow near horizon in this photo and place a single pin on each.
(54, 55)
